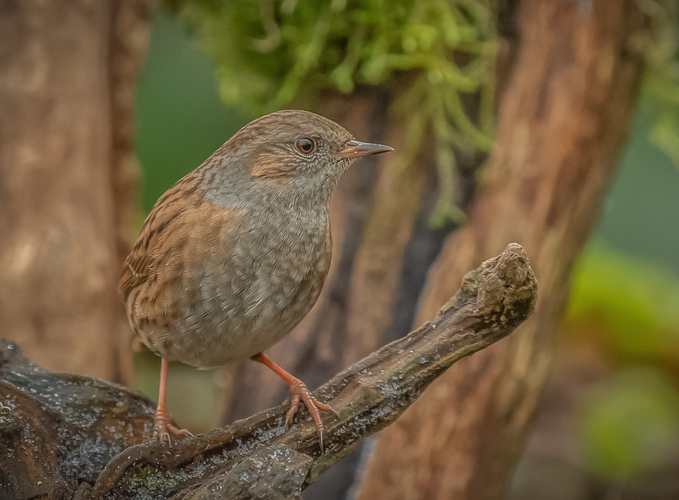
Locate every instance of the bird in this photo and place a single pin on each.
(235, 254)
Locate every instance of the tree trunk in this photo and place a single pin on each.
(562, 122)
(67, 72)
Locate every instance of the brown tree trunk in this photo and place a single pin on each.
(66, 75)
(128, 42)
(562, 122)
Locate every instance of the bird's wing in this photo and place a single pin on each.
(183, 196)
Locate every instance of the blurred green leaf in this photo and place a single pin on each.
(665, 134)
(637, 300)
(630, 424)
(661, 52)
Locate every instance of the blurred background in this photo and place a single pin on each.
(553, 124)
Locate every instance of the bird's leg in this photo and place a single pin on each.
(164, 428)
(298, 392)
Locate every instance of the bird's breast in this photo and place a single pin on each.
(246, 293)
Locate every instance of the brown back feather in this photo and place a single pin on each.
(177, 199)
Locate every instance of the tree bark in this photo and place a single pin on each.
(562, 122)
(128, 43)
(67, 71)
(58, 430)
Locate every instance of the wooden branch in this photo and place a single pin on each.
(252, 456)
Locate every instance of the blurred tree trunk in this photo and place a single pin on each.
(562, 122)
(67, 177)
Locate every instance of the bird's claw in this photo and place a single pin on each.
(298, 393)
(332, 410)
(164, 429)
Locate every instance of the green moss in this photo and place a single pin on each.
(148, 478)
(152, 480)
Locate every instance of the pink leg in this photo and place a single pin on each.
(164, 429)
(298, 392)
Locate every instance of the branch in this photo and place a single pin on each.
(255, 456)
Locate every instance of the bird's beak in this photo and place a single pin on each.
(358, 149)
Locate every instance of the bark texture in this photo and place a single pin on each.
(58, 430)
(128, 43)
(65, 136)
(562, 122)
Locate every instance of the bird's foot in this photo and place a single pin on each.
(164, 429)
(299, 392)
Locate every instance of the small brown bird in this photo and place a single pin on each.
(235, 254)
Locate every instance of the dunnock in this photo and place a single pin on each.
(234, 255)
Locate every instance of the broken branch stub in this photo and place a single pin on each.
(254, 456)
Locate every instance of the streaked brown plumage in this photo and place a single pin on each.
(235, 254)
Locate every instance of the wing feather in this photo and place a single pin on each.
(176, 200)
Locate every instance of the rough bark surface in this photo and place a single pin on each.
(56, 258)
(58, 212)
(562, 122)
(59, 430)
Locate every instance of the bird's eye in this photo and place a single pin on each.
(305, 145)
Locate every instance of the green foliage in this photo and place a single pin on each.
(636, 300)
(630, 424)
(661, 51)
(269, 53)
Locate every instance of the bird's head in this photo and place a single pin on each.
(294, 152)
